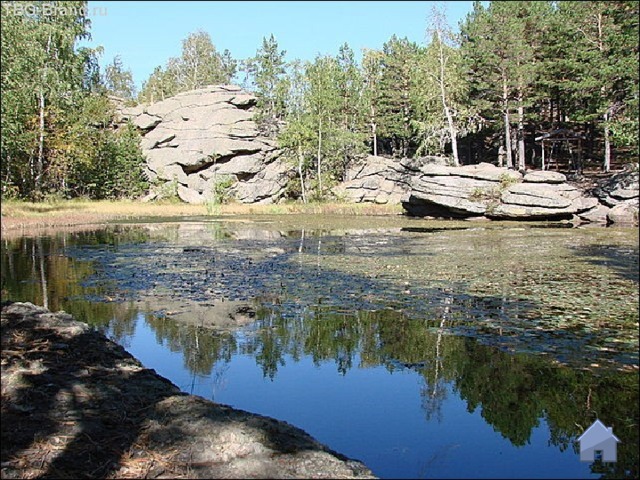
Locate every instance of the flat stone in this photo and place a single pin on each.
(551, 201)
(540, 176)
(146, 121)
(519, 212)
(624, 193)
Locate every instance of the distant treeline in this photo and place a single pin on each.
(513, 72)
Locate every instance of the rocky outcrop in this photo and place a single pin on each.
(493, 192)
(619, 196)
(380, 179)
(430, 187)
(203, 140)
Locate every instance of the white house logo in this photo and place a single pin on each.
(598, 443)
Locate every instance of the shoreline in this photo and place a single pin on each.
(29, 216)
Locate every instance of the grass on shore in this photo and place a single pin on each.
(21, 214)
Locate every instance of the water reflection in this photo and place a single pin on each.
(513, 393)
(286, 298)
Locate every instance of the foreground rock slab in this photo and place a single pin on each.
(77, 405)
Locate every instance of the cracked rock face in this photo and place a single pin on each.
(494, 192)
(382, 180)
(203, 137)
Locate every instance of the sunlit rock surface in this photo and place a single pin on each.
(499, 193)
(206, 137)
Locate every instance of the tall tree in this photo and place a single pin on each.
(229, 66)
(199, 65)
(118, 80)
(601, 63)
(372, 73)
(297, 137)
(499, 45)
(441, 92)
(446, 75)
(396, 108)
(160, 85)
(351, 109)
(322, 101)
(268, 72)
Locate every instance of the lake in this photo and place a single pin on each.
(425, 349)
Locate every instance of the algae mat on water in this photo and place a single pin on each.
(567, 292)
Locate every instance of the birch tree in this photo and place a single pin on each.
(372, 74)
(446, 74)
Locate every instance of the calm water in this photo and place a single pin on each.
(424, 349)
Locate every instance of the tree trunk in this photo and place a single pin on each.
(375, 141)
(507, 126)
(41, 106)
(606, 166)
(607, 144)
(319, 158)
(374, 131)
(40, 160)
(304, 194)
(521, 149)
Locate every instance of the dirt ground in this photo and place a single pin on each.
(76, 405)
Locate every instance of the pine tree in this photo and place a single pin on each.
(268, 72)
(396, 109)
(500, 45)
(601, 64)
(351, 109)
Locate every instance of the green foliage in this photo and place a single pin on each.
(268, 72)
(221, 188)
(220, 194)
(119, 81)
(57, 133)
(167, 191)
(517, 68)
(199, 65)
(506, 180)
(397, 94)
(325, 130)
(109, 165)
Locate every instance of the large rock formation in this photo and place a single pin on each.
(206, 137)
(381, 180)
(494, 192)
(430, 187)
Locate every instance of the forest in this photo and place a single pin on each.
(511, 74)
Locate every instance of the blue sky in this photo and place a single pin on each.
(145, 34)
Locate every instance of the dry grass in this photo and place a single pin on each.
(20, 215)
